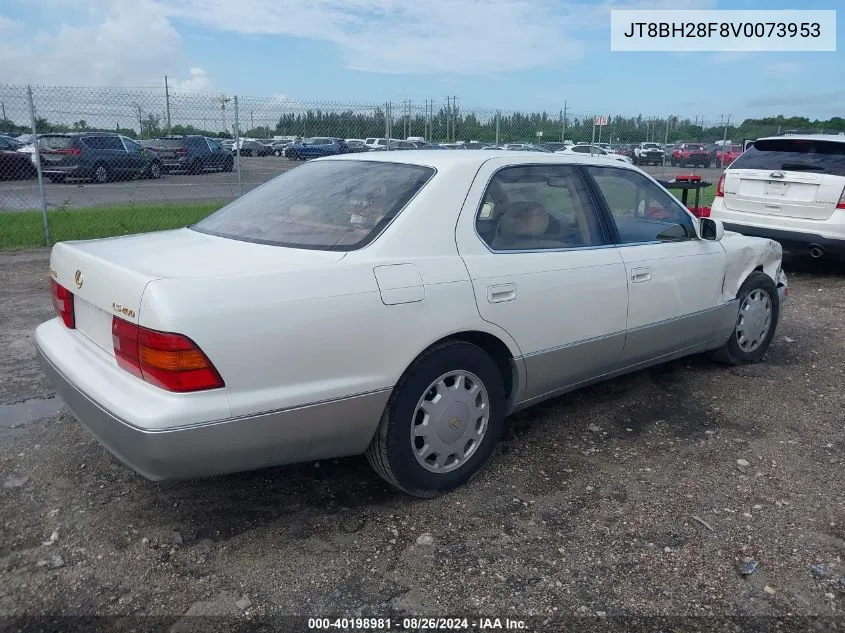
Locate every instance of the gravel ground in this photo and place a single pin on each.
(585, 517)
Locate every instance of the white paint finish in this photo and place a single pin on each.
(672, 279)
(744, 255)
(399, 283)
(96, 374)
(289, 327)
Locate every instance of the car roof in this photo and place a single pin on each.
(836, 138)
(446, 160)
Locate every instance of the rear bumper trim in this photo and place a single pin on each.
(324, 430)
(790, 240)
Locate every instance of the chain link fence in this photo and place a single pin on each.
(117, 148)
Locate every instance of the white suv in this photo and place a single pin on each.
(790, 189)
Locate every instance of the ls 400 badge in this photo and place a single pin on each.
(121, 310)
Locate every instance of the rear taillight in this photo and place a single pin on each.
(73, 151)
(181, 151)
(841, 203)
(720, 186)
(169, 361)
(63, 303)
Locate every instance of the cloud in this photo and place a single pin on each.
(199, 82)
(111, 43)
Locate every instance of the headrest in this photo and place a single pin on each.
(524, 219)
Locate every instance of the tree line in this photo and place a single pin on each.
(485, 126)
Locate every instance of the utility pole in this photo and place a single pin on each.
(5, 121)
(223, 100)
(140, 123)
(725, 141)
(454, 118)
(497, 127)
(563, 123)
(251, 121)
(167, 102)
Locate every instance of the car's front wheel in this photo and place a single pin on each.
(442, 421)
(757, 319)
(154, 171)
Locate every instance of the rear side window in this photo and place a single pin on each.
(55, 142)
(332, 205)
(104, 142)
(170, 143)
(817, 156)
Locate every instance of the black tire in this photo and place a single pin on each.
(154, 171)
(292, 155)
(732, 352)
(277, 153)
(707, 165)
(391, 453)
(101, 174)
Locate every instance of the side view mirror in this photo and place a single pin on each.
(711, 229)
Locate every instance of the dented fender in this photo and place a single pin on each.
(745, 255)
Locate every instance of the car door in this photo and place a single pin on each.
(136, 157)
(543, 268)
(215, 155)
(114, 153)
(674, 277)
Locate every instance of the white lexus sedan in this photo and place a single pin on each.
(398, 304)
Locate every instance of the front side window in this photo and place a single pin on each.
(641, 209)
(536, 207)
(336, 206)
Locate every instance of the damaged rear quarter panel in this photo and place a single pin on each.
(746, 254)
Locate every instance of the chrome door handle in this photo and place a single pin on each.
(500, 293)
(639, 275)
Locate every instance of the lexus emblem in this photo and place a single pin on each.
(454, 423)
(77, 279)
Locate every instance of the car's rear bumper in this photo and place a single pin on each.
(316, 431)
(791, 240)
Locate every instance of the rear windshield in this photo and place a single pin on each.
(55, 142)
(822, 157)
(324, 205)
(170, 143)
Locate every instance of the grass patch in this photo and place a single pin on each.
(25, 229)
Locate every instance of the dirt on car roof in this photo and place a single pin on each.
(691, 492)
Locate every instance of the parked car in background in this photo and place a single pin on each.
(648, 153)
(250, 147)
(593, 150)
(514, 147)
(691, 155)
(626, 150)
(790, 189)
(725, 156)
(14, 164)
(356, 146)
(96, 156)
(553, 146)
(279, 147)
(316, 147)
(227, 144)
(399, 305)
(193, 154)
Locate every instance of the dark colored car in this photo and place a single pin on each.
(356, 147)
(692, 155)
(14, 164)
(193, 154)
(552, 146)
(249, 147)
(317, 147)
(96, 156)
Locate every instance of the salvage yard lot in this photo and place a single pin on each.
(586, 508)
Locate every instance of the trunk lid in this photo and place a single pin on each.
(790, 177)
(108, 276)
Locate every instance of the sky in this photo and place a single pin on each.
(526, 55)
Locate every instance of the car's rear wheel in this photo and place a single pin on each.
(101, 173)
(756, 322)
(442, 421)
(292, 155)
(154, 170)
